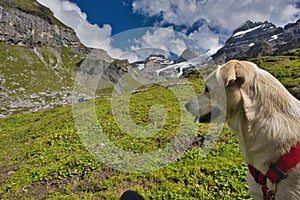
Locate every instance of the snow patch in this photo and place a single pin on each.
(242, 33)
(181, 66)
(274, 37)
(251, 44)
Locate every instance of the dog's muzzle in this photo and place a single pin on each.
(202, 118)
(193, 108)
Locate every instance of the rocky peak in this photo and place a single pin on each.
(249, 25)
(186, 55)
(27, 23)
(253, 39)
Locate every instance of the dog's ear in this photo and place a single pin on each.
(232, 72)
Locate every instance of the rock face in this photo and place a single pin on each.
(27, 27)
(38, 57)
(99, 71)
(253, 39)
(186, 55)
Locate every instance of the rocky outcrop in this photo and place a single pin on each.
(26, 27)
(253, 39)
(186, 55)
(99, 71)
(38, 54)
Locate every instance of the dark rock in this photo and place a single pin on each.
(101, 71)
(21, 26)
(186, 55)
(253, 39)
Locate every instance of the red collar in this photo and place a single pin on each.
(277, 171)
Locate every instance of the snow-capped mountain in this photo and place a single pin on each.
(165, 68)
(253, 39)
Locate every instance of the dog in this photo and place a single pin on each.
(264, 116)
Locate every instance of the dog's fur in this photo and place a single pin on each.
(264, 116)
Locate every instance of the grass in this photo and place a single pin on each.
(44, 157)
(42, 70)
(285, 68)
(30, 70)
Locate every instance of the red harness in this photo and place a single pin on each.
(277, 171)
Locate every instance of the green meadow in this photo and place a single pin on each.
(44, 156)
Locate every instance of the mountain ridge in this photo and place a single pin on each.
(254, 39)
(41, 57)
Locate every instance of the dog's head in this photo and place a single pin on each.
(222, 95)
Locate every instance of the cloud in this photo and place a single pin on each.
(225, 15)
(206, 38)
(229, 13)
(206, 24)
(91, 35)
(133, 46)
(165, 39)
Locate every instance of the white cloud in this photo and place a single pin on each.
(165, 39)
(206, 38)
(91, 35)
(229, 13)
(224, 14)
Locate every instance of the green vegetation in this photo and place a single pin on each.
(286, 68)
(43, 69)
(43, 157)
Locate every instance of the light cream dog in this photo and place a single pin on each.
(264, 116)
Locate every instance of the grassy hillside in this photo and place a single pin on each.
(42, 156)
(286, 68)
(33, 75)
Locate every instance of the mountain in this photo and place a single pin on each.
(99, 73)
(38, 56)
(27, 23)
(254, 39)
(163, 69)
(186, 55)
(41, 57)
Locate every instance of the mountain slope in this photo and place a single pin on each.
(253, 39)
(35, 79)
(38, 57)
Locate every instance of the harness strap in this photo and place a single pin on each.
(261, 179)
(277, 171)
(284, 164)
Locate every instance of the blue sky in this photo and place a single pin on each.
(117, 13)
(203, 25)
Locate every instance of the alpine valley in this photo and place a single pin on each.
(40, 57)
(44, 154)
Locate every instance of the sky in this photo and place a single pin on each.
(126, 28)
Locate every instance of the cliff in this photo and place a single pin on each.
(38, 56)
(27, 23)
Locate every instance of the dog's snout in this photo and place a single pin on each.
(188, 106)
(191, 105)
